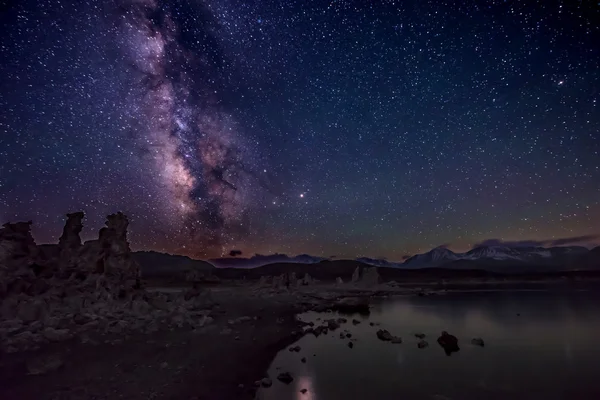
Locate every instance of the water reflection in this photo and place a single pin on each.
(537, 345)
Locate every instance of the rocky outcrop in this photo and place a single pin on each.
(50, 296)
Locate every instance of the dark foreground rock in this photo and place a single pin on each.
(448, 342)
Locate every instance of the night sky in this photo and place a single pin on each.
(346, 128)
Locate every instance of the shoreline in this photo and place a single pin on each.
(222, 360)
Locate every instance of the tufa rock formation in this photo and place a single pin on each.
(370, 277)
(69, 243)
(56, 292)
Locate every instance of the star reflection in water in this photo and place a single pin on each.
(305, 382)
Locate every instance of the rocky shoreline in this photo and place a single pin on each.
(78, 323)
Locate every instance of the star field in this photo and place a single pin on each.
(345, 128)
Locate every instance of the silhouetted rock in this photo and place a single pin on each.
(422, 344)
(477, 342)
(448, 342)
(70, 242)
(350, 344)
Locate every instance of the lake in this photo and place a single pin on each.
(538, 345)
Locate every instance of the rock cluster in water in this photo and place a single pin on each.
(55, 292)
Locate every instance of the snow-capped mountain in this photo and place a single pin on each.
(435, 257)
(482, 256)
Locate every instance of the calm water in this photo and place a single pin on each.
(550, 351)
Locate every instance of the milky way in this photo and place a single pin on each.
(341, 128)
(195, 147)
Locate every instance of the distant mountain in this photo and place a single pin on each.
(433, 258)
(259, 260)
(499, 258)
(155, 264)
(504, 259)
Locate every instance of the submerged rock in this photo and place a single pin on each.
(420, 335)
(350, 344)
(477, 342)
(332, 324)
(422, 344)
(384, 335)
(266, 382)
(448, 342)
(303, 391)
(355, 322)
(285, 377)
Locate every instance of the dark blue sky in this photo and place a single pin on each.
(345, 128)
